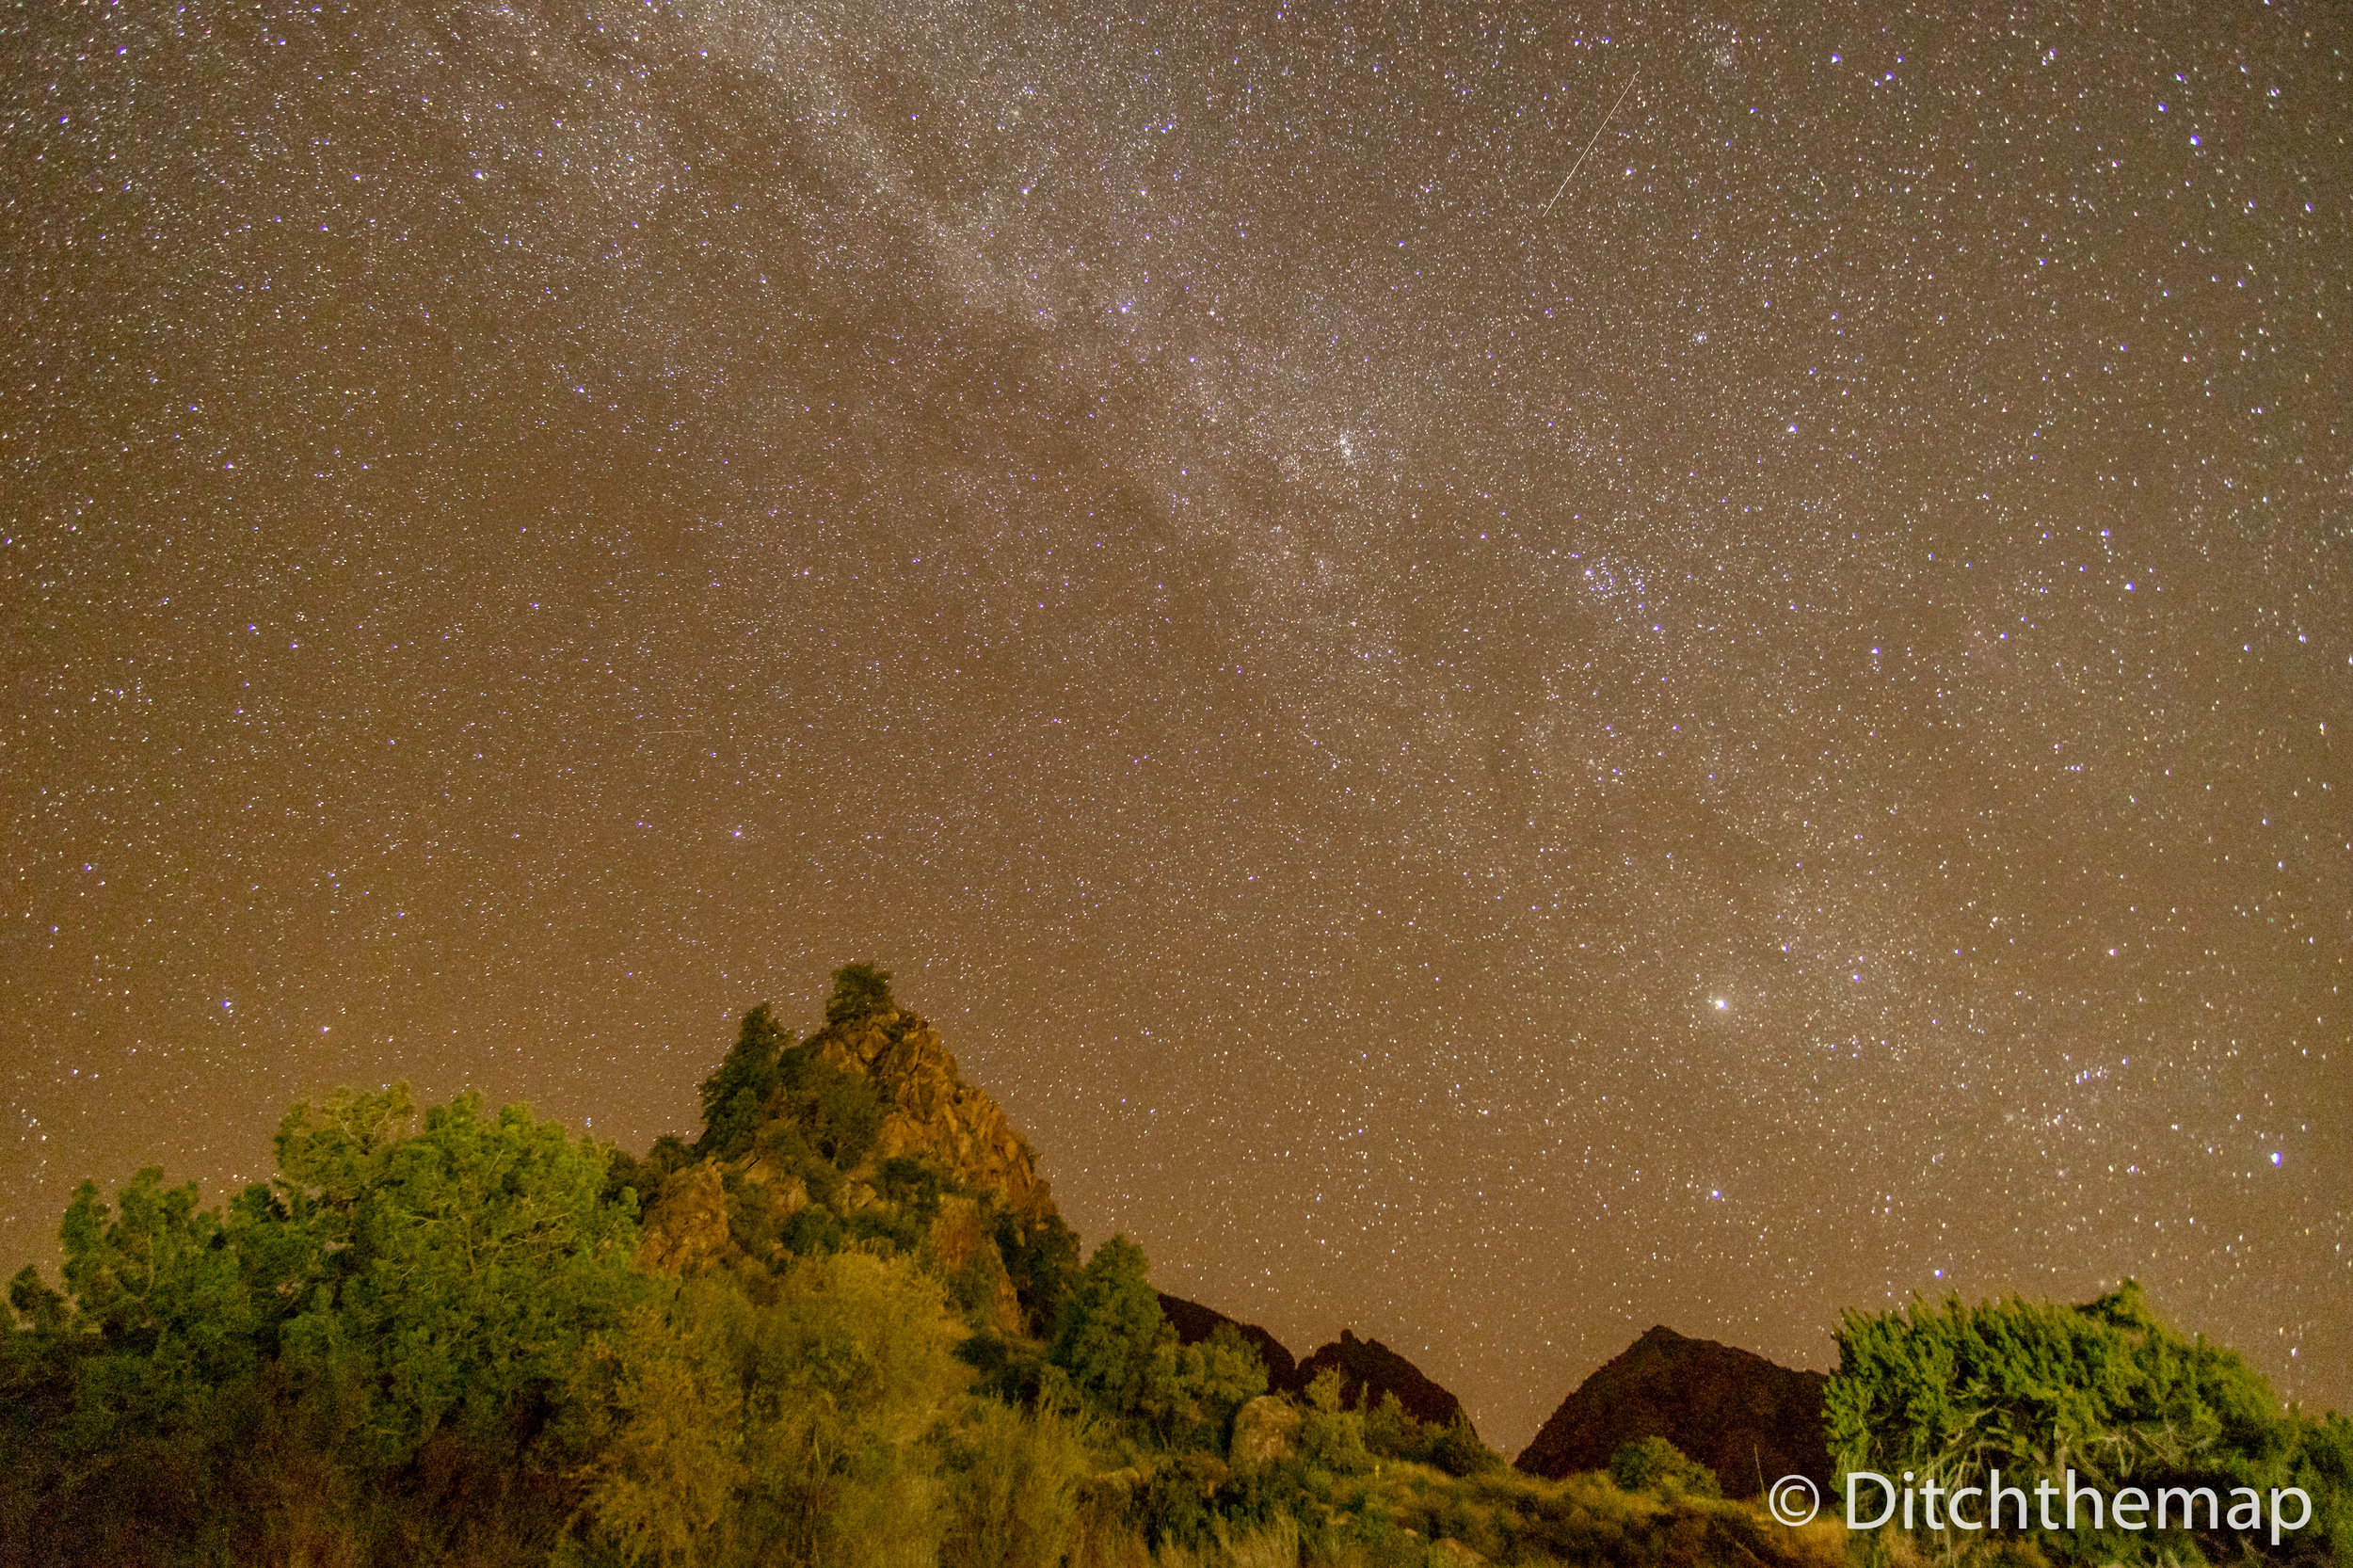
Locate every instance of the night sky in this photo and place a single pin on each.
(1482, 747)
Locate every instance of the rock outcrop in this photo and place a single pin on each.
(929, 1109)
(1734, 1412)
(1369, 1369)
(1194, 1322)
(793, 1143)
(687, 1229)
(960, 1247)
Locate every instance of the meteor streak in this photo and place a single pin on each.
(1591, 145)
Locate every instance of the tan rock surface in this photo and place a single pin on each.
(931, 1110)
(959, 1244)
(1265, 1431)
(688, 1227)
(928, 1109)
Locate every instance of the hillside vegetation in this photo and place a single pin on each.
(1951, 1393)
(845, 1325)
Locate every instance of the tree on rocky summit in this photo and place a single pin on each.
(859, 991)
(735, 1096)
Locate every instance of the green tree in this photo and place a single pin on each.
(1215, 1378)
(1331, 1437)
(2034, 1390)
(42, 1306)
(735, 1098)
(470, 1263)
(859, 991)
(1111, 1338)
(1042, 1258)
(145, 1389)
(155, 1281)
(347, 1364)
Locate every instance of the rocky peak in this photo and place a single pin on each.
(1369, 1369)
(929, 1109)
(1195, 1323)
(861, 1134)
(1736, 1412)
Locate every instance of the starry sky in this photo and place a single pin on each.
(1508, 672)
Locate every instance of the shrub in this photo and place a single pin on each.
(1655, 1465)
(1014, 1488)
(2037, 1388)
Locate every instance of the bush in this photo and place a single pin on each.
(2036, 1388)
(1655, 1465)
(1014, 1488)
(660, 1411)
(1456, 1449)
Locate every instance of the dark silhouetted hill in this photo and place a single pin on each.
(1369, 1369)
(1194, 1322)
(1734, 1412)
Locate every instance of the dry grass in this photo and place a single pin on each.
(1274, 1545)
(1402, 1510)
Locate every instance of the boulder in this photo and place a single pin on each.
(1266, 1430)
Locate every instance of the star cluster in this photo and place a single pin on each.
(1509, 673)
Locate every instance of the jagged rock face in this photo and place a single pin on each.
(1194, 1322)
(959, 1247)
(930, 1110)
(1734, 1412)
(692, 1226)
(688, 1229)
(1369, 1369)
(709, 1212)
